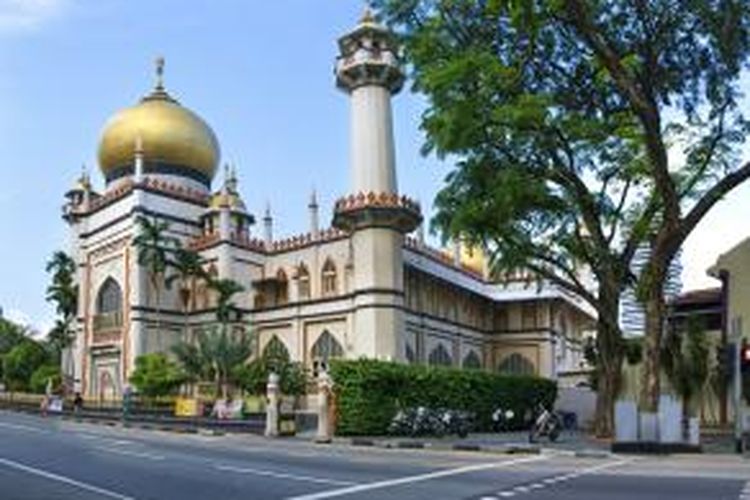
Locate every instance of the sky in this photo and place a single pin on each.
(259, 72)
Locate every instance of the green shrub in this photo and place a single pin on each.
(253, 377)
(38, 382)
(156, 375)
(369, 393)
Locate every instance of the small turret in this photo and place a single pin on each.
(314, 219)
(268, 226)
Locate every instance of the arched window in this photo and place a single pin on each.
(328, 276)
(472, 361)
(440, 356)
(109, 299)
(275, 352)
(516, 364)
(303, 282)
(282, 288)
(325, 349)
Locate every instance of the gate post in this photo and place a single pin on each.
(272, 405)
(325, 385)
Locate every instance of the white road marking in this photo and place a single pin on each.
(135, 454)
(559, 479)
(20, 427)
(62, 479)
(282, 475)
(414, 479)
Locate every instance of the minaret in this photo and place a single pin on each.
(314, 220)
(377, 217)
(368, 69)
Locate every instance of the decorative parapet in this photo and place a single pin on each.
(377, 209)
(243, 240)
(176, 190)
(110, 196)
(123, 188)
(204, 241)
(306, 239)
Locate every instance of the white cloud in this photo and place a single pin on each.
(23, 15)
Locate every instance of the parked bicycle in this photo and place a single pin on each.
(547, 423)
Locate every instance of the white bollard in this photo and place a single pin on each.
(325, 384)
(272, 405)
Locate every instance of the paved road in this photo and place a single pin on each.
(53, 459)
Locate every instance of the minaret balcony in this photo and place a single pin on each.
(377, 210)
(368, 68)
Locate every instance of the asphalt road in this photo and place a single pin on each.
(54, 459)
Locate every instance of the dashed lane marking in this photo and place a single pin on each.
(544, 483)
(135, 454)
(282, 475)
(63, 479)
(745, 493)
(417, 478)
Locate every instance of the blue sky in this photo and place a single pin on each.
(260, 72)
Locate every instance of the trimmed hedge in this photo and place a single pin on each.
(370, 392)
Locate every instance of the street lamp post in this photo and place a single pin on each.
(738, 417)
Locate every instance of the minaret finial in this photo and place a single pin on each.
(160, 72)
(368, 17)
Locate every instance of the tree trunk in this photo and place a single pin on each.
(609, 362)
(651, 375)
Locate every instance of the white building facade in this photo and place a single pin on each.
(364, 287)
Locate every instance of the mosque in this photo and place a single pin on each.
(366, 286)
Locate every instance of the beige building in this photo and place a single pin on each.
(367, 286)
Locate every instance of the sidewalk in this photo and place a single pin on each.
(570, 442)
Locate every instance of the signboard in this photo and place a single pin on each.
(187, 407)
(228, 410)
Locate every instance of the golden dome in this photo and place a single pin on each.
(229, 199)
(169, 134)
(473, 257)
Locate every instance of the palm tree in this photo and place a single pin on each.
(685, 360)
(195, 362)
(219, 351)
(225, 290)
(226, 351)
(188, 266)
(153, 246)
(63, 292)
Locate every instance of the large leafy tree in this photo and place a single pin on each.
(21, 362)
(11, 335)
(562, 114)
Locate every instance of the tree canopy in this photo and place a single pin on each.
(581, 130)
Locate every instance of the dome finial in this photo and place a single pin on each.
(159, 72)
